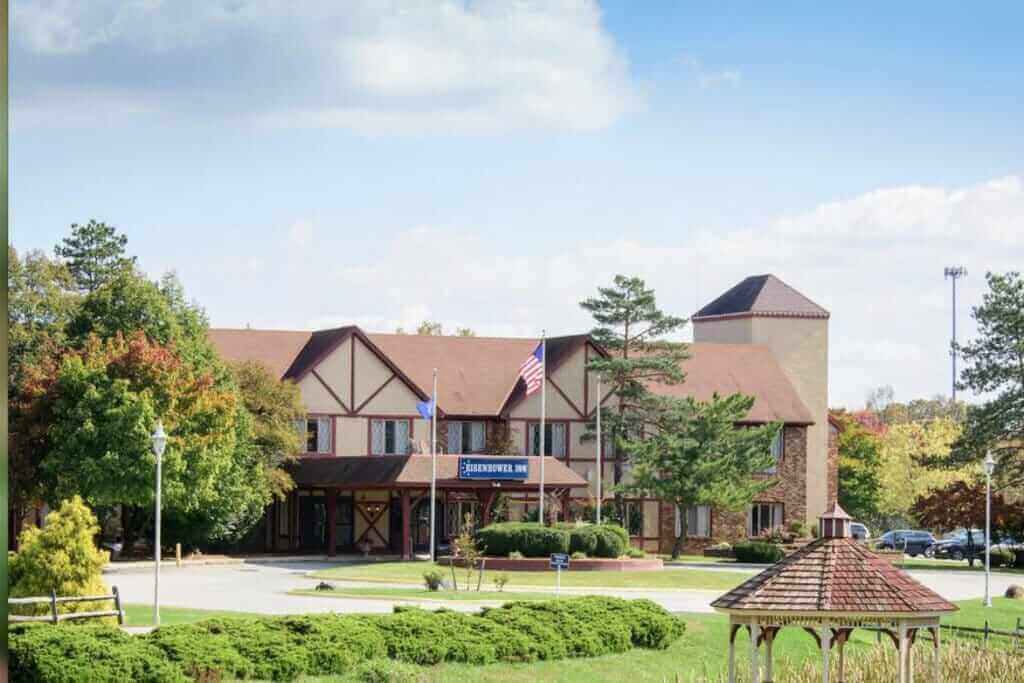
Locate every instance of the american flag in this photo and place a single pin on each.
(532, 369)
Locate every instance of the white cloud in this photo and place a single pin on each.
(710, 78)
(875, 261)
(300, 234)
(372, 67)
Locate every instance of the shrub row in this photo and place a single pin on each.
(758, 552)
(285, 648)
(536, 540)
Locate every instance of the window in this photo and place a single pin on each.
(635, 517)
(554, 438)
(763, 517)
(316, 434)
(458, 513)
(467, 437)
(389, 437)
(698, 521)
(778, 448)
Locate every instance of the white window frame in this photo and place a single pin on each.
(400, 447)
(694, 528)
(774, 511)
(478, 426)
(533, 429)
(324, 433)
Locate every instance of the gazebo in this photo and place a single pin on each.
(828, 588)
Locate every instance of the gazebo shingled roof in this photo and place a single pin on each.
(830, 587)
(834, 575)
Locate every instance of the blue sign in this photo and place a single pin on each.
(516, 469)
(559, 561)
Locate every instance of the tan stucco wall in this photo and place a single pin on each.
(336, 371)
(371, 373)
(351, 435)
(382, 525)
(801, 347)
(569, 378)
(394, 399)
(316, 398)
(555, 407)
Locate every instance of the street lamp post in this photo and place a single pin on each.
(159, 443)
(990, 465)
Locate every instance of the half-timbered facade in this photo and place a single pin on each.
(361, 480)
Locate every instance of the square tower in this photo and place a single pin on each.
(762, 309)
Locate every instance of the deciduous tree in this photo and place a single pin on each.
(859, 469)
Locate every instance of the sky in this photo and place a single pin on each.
(489, 164)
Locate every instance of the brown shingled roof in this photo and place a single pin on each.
(480, 375)
(834, 575)
(762, 295)
(413, 470)
(749, 369)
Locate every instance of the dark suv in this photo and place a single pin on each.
(911, 542)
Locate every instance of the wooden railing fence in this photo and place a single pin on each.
(55, 616)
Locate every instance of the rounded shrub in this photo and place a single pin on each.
(758, 552)
(612, 540)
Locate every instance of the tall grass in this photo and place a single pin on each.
(963, 663)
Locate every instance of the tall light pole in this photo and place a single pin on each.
(954, 273)
(600, 445)
(159, 443)
(990, 466)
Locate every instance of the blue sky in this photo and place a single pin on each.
(489, 164)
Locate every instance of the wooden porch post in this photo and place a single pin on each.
(565, 505)
(486, 498)
(406, 526)
(332, 520)
(293, 525)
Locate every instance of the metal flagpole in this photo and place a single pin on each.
(600, 444)
(543, 393)
(433, 463)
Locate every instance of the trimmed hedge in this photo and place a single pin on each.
(535, 540)
(758, 552)
(531, 539)
(286, 648)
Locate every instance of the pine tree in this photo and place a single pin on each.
(631, 327)
(95, 253)
(995, 367)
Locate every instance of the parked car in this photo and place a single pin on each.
(911, 542)
(859, 532)
(955, 546)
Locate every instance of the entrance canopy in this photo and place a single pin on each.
(413, 471)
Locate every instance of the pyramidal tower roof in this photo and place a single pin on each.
(762, 295)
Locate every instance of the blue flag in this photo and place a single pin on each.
(426, 408)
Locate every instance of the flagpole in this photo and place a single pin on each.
(433, 463)
(543, 394)
(600, 444)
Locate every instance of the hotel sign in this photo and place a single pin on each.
(514, 469)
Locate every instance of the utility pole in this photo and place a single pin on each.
(954, 273)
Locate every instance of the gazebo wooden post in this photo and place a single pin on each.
(826, 646)
(769, 641)
(911, 636)
(733, 627)
(936, 661)
(755, 659)
(903, 654)
(842, 658)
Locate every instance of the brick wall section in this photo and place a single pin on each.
(790, 490)
(833, 464)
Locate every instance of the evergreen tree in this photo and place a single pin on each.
(696, 455)
(994, 366)
(631, 327)
(95, 253)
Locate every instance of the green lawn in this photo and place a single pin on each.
(412, 572)
(953, 566)
(391, 593)
(1002, 615)
(142, 615)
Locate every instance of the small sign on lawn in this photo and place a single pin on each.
(559, 561)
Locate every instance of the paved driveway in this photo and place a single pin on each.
(264, 588)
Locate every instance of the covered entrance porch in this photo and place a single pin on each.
(381, 504)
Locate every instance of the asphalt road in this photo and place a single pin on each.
(264, 588)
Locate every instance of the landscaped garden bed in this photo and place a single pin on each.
(286, 648)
